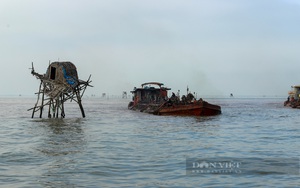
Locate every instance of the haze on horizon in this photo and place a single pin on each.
(215, 47)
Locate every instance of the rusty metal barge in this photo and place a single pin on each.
(152, 97)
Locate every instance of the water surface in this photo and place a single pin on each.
(116, 147)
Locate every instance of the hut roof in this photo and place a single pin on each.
(64, 72)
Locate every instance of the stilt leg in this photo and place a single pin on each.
(80, 104)
(49, 111)
(53, 108)
(62, 106)
(42, 106)
(57, 107)
(38, 98)
(32, 115)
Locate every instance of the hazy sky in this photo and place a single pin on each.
(216, 47)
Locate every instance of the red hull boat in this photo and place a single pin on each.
(155, 101)
(193, 109)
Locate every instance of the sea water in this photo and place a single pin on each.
(117, 147)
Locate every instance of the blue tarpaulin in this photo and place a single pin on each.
(70, 80)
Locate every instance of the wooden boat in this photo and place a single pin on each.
(154, 100)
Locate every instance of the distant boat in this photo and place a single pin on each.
(293, 99)
(154, 100)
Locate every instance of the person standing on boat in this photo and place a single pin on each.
(173, 95)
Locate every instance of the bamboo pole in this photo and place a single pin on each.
(42, 105)
(62, 106)
(38, 98)
(57, 107)
(80, 104)
(49, 111)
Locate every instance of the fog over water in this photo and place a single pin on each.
(215, 47)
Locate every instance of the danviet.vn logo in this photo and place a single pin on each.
(258, 166)
(214, 167)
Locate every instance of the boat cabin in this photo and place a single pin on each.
(63, 72)
(150, 92)
(295, 93)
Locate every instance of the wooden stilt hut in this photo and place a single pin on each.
(59, 84)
